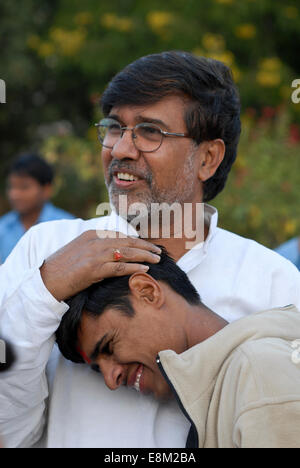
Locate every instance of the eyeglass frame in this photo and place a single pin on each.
(123, 129)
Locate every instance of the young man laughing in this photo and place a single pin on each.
(237, 384)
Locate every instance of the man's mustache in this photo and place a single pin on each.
(119, 166)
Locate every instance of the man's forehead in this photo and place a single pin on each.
(163, 109)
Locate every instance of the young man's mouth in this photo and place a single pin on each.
(135, 380)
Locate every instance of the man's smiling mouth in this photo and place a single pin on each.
(126, 176)
(139, 373)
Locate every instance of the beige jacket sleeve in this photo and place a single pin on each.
(269, 426)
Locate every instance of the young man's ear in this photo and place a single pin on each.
(146, 289)
(211, 156)
(47, 192)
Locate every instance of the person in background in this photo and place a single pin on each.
(29, 189)
(291, 251)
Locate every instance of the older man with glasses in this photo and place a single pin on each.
(169, 136)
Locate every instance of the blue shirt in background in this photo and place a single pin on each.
(12, 229)
(290, 250)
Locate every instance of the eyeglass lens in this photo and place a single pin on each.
(146, 137)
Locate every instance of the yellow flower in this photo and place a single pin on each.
(68, 42)
(290, 227)
(236, 72)
(271, 64)
(245, 31)
(109, 20)
(158, 20)
(269, 72)
(112, 21)
(268, 79)
(213, 42)
(226, 57)
(46, 49)
(291, 12)
(125, 24)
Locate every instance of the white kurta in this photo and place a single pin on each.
(234, 276)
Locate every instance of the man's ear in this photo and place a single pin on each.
(146, 289)
(211, 156)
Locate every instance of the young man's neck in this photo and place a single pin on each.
(30, 219)
(202, 324)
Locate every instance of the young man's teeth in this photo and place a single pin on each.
(137, 382)
(125, 176)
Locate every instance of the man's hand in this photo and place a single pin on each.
(89, 259)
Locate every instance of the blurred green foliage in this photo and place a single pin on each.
(262, 199)
(57, 57)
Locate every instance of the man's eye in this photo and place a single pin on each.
(150, 129)
(107, 349)
(113, 128)
(95, 368)
(149, 132)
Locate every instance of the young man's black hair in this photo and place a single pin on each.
(214, 110)
(32, 165)
(114, 292)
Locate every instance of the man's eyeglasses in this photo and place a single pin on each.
(147, 137)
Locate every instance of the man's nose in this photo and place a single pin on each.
(124, 147)
(114, 373)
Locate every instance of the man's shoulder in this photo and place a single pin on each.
(50, 236)
(8, 219)
(236, 245)
(67, 228)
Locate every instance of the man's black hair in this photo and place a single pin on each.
(32, 165)
(214, 111)
(114, 292)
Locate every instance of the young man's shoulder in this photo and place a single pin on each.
(7, 219)
(267, 368)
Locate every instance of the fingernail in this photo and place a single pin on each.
(144, 268)
(156, 257)
(157, 250)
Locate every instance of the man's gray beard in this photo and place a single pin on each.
(176, 194)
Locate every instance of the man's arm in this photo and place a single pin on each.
(29, 319)
(31, 308)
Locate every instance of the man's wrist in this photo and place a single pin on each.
(54, 286)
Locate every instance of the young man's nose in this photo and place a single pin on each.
(114, 373)
(125, 148)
